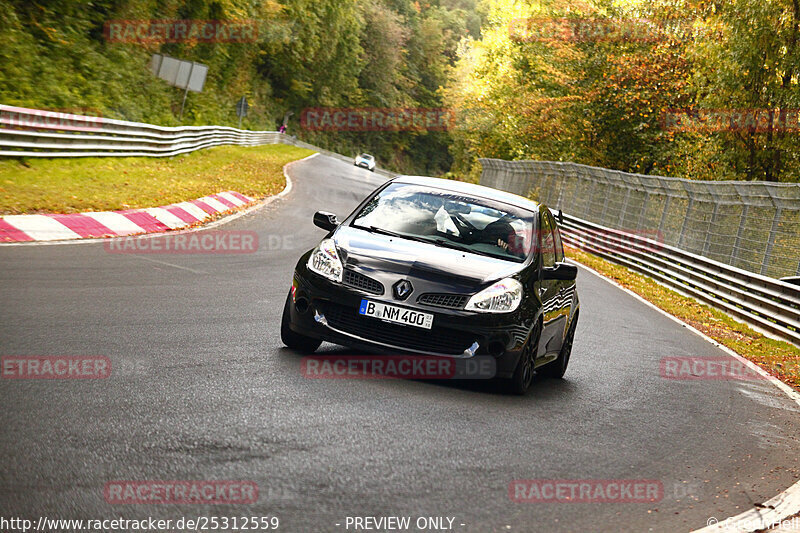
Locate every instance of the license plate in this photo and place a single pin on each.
(398, 315)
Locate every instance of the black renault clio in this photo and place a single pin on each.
(439, 267)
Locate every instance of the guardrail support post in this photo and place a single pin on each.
(605, 204)
(771, 242)
(643, 211)
(707, 244)
(664, 214)
(739, 235)
(562, 184)
(589, 199)
(686, 221)
(624, 208)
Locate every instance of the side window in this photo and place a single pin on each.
(547, 246)
(559, 249)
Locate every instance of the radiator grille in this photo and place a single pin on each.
(447, 301)
(362, 282)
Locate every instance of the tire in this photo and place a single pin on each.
(556, 369)
(294, 340)
(521, 381)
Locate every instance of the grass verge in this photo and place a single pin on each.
(781, 359)
(110, 183)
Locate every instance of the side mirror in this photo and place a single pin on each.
(562, 271)
(325, 220)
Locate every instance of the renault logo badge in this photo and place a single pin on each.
(402, 289)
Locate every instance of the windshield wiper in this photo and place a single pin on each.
(390, 233)
(457, 246)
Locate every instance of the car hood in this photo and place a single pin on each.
(437, 268)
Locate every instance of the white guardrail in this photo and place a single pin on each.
(36, 133)
(766, 303)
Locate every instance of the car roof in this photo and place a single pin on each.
(472, 189)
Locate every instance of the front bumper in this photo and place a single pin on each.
(329, 311)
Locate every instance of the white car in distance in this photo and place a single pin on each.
(365, 161)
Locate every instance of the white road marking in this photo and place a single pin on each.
(169, 264)
(782, 506)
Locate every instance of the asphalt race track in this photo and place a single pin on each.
(202, 388)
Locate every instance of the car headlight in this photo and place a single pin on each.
(502, 297)
(325, 261)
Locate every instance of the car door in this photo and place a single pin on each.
(566, 288)
(550, 341)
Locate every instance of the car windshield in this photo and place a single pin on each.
(450, 219)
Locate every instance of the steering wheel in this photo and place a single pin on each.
(465, 228)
